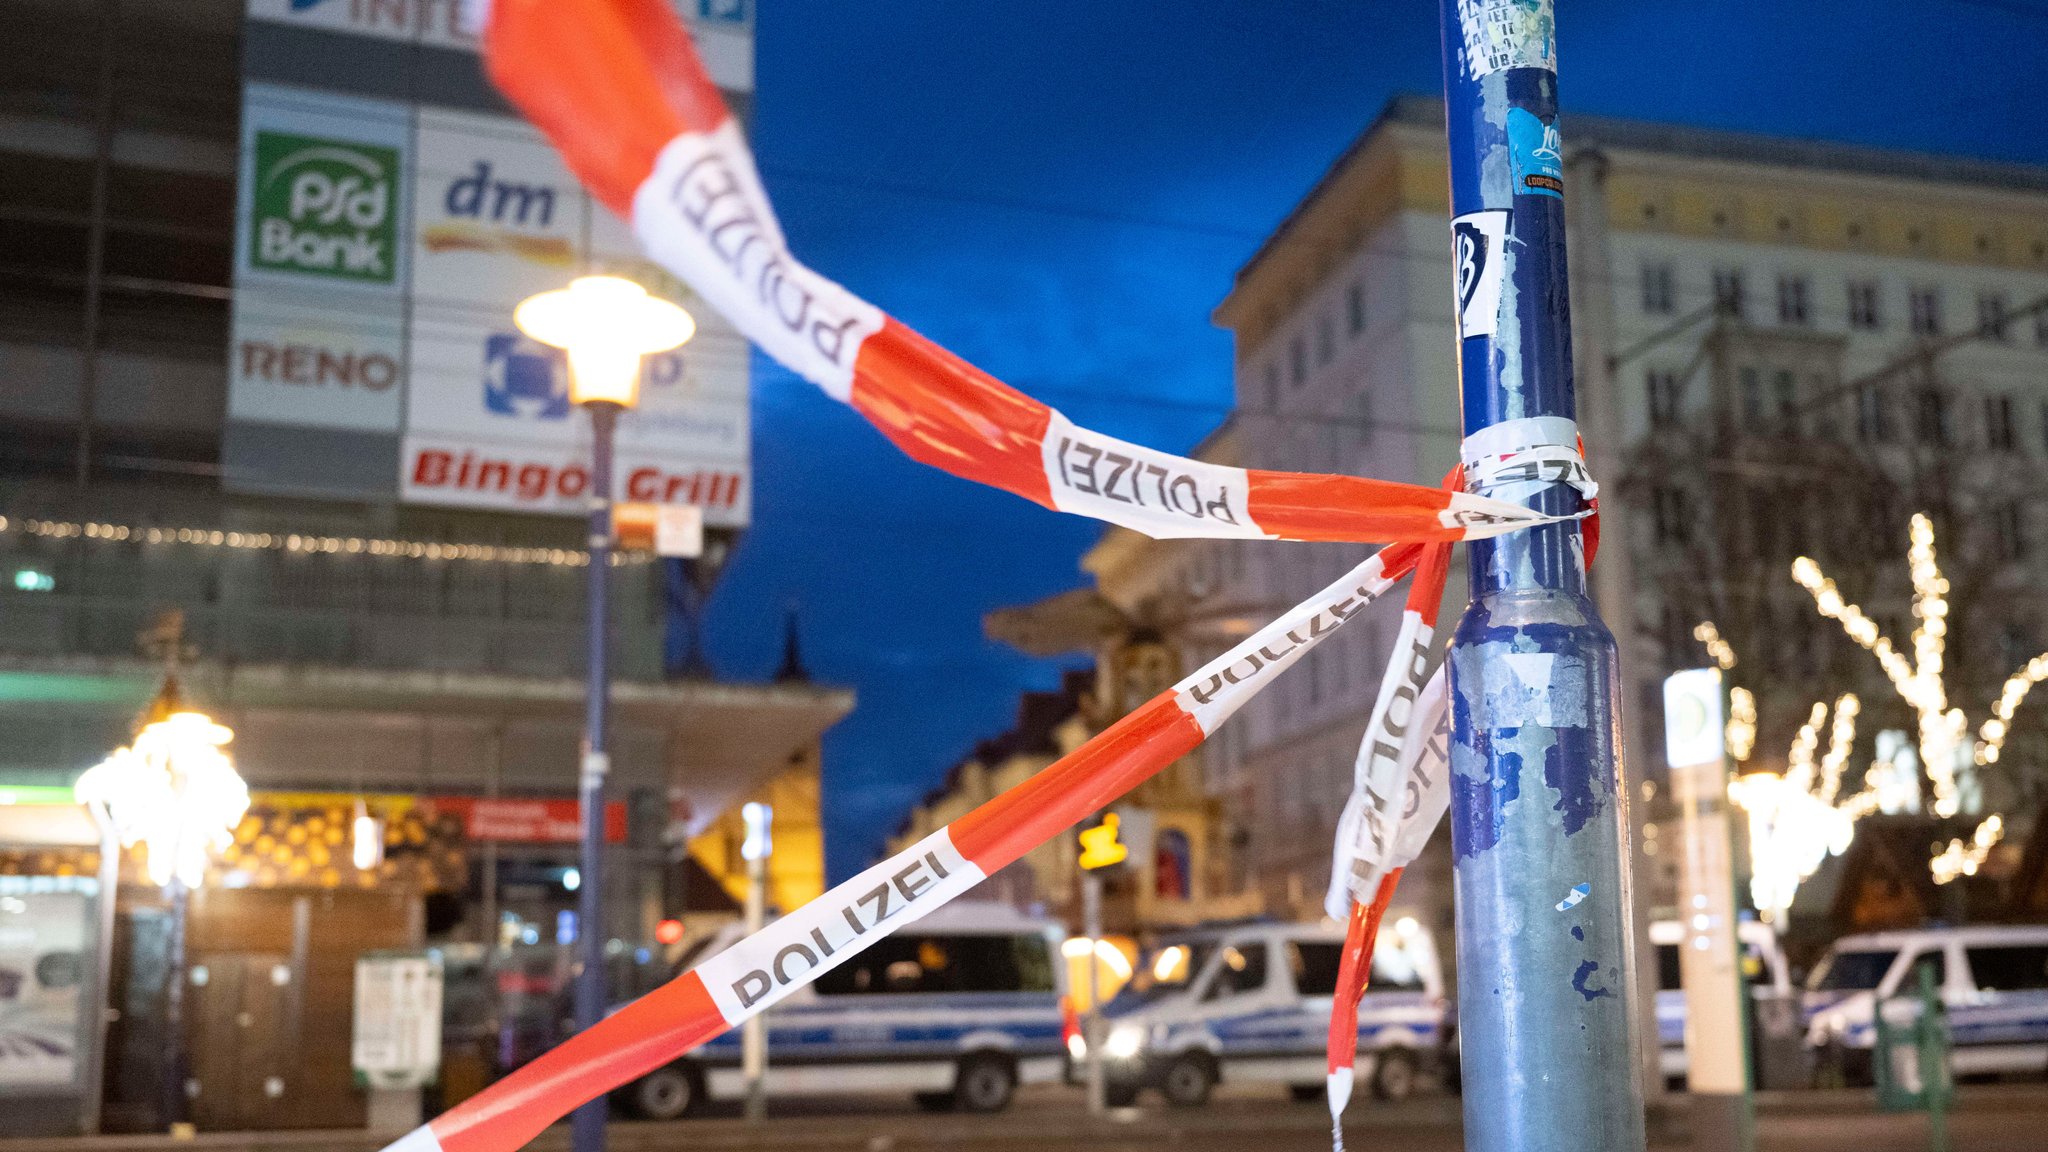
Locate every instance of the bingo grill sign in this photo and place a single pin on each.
(324, 208)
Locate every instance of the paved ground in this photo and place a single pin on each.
(1991, 1118)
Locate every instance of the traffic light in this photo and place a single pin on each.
(1099, 846)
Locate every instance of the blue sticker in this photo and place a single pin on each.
(1534, 155)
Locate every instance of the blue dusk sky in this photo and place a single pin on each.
(1061, 192)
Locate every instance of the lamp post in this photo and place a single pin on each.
(607, 325)
(755, 849)
(175, 791)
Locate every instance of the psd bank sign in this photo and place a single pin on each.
(325, 208)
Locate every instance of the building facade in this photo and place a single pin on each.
(257, 369)
(1782, 347)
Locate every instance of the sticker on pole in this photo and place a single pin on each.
(1535, 155)
(1476, 242)
(1502, 34)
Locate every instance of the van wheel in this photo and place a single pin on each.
(1394, 1074)
(669, 1093)
(1306, 1093)
(1120, 1095)
(1188, 1080)
(985, 1083)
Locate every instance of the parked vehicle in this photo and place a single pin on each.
(1251, 1003)
(957, 1009)
(1993, 981)
(1765, 974)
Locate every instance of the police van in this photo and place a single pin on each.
(1251, 1003)
(1764, 970)
(1993, 982)
(957, 1009)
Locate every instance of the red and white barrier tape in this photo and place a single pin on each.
(755, 973)
(617, 86)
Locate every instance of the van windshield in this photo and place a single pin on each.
(1168, 969)
(1853, 971)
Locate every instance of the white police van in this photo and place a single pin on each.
(957, 1009)
(1764, 971)
(1251, 1003)
(1993, 982)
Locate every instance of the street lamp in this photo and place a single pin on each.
(607, 325)
(174, 791)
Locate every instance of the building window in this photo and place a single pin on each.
(1297, 362)
(1671, 513)
(2041, 328)
(1728, 291)
(1354, 308)
(2000, 433)
(1994, 317)
(1658, 294)
(1273, 386)
(1785, 399)
(1926, 311)
(2008, 528)
(1874, 416)
(1932, 425)
(1863, 305)
(1751, 383)
(1666, 396)
(1326, 341)
(1792, 307)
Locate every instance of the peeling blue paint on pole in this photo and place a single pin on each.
(1537, 819)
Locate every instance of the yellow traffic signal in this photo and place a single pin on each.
(1099, 847)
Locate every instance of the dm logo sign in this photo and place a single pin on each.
(524, 378)
(324, 208)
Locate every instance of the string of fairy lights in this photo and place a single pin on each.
(1798, 818)
(305, 543)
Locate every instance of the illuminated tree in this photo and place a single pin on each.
(1947, 751)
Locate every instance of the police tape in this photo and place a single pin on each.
(1361, 936)
(756, 973)
(617, 87)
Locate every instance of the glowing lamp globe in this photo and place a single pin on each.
(607, 324)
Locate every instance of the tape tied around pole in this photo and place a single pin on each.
(1516, 459)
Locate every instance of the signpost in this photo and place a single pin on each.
(1717, 1063)
(1099, 849)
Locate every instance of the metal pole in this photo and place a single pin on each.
(754, 1033)
(1544, 964)
(96, 243)
(175, 1099)
(1091, 1028)
(587, 1125)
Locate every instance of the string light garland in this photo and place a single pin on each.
(1963, 859)
(1948, 754)
(304, 543)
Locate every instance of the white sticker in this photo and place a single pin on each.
(1220, 687)
(1477, 239)
(760, 970)
(1162, 495)
(1502, 34)
(703, 214)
